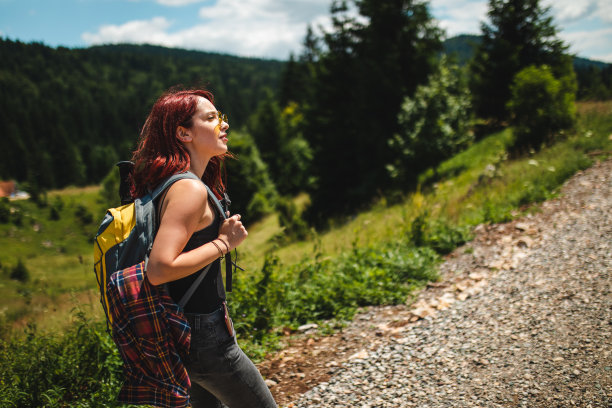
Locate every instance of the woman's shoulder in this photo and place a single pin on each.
(189, 188)
(189, 193)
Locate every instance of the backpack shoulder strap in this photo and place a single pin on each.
(228, 256)
(216, 202)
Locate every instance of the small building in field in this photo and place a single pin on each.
(8, 188)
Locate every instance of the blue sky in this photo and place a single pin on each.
(258, 28)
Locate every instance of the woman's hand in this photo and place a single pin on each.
(232, 231)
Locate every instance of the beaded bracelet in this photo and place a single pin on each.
(226, 246)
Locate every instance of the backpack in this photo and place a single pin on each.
(125, 236)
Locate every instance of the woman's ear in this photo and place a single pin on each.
(183, 134)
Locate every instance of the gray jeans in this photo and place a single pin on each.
(221, 374)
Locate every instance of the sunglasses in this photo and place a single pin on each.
(222, 117)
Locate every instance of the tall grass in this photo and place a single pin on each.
(80, 368)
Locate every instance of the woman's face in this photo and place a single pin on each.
(208, 134)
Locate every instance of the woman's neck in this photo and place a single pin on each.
(198, 165)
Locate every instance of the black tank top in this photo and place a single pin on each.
(210, 293)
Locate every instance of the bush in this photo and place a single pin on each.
(16, 215)
(541, 105)
(83, 215)
(5, 210)
(258, 206)
(434, 125)
(109, 193)
(20, 272)
(80, 368)
(37, 193)
(321, 288)
(294, 227)
(439, 235)
(56, 208)
(443, 237)
(493, 212)
(294, 154)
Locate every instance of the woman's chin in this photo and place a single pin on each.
(222, 150)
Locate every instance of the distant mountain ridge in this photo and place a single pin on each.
(463, 47)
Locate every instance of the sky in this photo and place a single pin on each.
(257, 28)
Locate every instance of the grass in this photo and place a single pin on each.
(56, 252)
(480, 184)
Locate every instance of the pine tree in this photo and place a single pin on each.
(369, 64)
(520, 33)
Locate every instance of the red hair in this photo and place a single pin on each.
(160, 154)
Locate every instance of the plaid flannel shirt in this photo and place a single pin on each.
(153, 338)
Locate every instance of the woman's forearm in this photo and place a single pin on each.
(185, 264)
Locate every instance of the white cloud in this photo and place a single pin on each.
(569, 11)
(604, 10)
(264, 28)
(603, 57)
(566, 11)
(459, 16)
(138, 31)
(595, 44)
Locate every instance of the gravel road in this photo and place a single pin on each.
(522, 318)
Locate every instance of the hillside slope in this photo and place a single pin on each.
(519, 318)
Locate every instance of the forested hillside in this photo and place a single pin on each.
(67, 115)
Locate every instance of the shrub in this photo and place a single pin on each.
(443, 237)
(541, 105)
(16, 215)
(5, 210)
(54, 214)
(434, 124)
(20, 272)
(37, 193)
(79, 368)
(493, 212)
(56, 208)
(83, 215)
(294, 227)
(322, 288)
(292, 171)
(109, 193)
(439, 235)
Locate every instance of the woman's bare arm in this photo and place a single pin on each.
(186, 209)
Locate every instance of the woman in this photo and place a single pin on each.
(185, 132)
